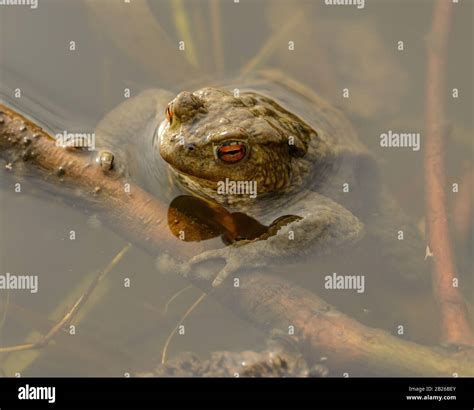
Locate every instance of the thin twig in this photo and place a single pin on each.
(217, 35)
(271, 44)
(186, 314)
(455, 326)
(181, 21)
(67, 318)
(177, 294)
(4, 313)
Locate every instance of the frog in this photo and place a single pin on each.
(317, 186)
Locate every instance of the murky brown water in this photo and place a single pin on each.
(335, 47)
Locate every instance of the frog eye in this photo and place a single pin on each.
(231, 152)
(169, 114)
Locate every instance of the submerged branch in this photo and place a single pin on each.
(454, 323)
(127, 208)
(264, 300)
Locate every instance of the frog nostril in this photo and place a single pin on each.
(190, 147)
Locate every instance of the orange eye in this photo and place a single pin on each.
(231, 152)
(169, 114)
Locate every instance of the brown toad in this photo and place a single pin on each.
(282, 156)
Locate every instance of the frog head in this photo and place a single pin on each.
(211, 135)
